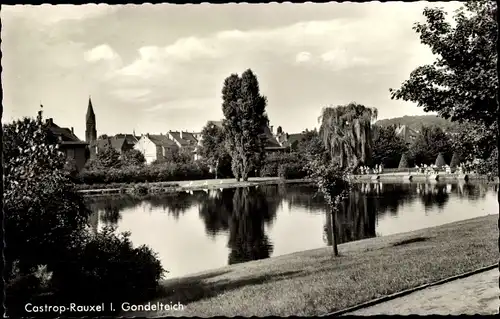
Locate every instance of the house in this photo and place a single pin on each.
(130, 140)
(119, 144)
(406, 133)
(184, 140)
(69, 143)
(288, 141)
(155, 147)
(271, 143)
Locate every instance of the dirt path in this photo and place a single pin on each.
(477, 294)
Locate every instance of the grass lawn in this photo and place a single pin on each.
(314, 282)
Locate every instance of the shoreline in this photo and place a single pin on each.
(407, 177)
(207, 184)
(360, 274)
(172, 187)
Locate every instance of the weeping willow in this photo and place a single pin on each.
(346, 132)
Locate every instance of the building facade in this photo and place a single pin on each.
(155, 147)
(75, 150)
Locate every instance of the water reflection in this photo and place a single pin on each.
(243, 212)
(256, 223)
(355, 219)
(109, 208)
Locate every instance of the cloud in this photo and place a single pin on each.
(195, 66)
(303, 57)
(132, 95)
(101, 52)
(49, 14)
(59, 52)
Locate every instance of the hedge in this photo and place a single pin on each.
(292, 171)
(275, 161)
(165, 172)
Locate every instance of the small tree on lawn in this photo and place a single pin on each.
(403, 162)
(440, 162)
(332, 183)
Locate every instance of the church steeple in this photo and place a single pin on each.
(90, 131)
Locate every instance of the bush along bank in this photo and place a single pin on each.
(154, 173)
(283, 165)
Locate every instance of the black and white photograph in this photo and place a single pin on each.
(272, 159)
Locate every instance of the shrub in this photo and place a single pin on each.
(108, 157)
(488, 166)
(140, 190)
(164, 172)
(455, 160)
(403, 163)
(132, 157)
(440, 162)
(106, 268)
(43, 212)
(50, 251)
(274, 161)
(292, 171)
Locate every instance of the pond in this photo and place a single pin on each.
(202, 230)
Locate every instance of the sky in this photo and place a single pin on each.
(155, 68)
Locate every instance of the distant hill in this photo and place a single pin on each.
(416, 121)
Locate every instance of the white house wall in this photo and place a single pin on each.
(147, 148)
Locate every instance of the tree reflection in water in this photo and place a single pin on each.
(434, 196)
(355, 219)
(109, 208)
(243, 212)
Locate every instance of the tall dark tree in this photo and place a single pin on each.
(244, 123)
(230, 107)
(387, 147)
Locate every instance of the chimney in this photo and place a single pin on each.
(72, 130)
(147, 135)
(50, 121)
(271, 128)
(181, 134)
